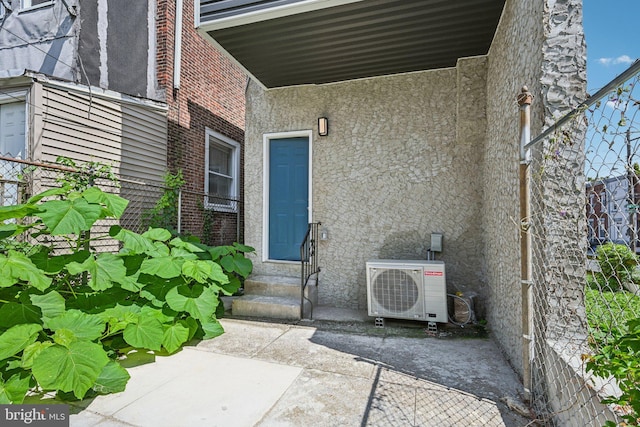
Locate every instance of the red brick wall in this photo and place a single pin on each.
(211, 95)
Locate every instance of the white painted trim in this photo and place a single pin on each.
(151, 54)
(265, 184)
(269, 13)
(103, 23)
(235, 173)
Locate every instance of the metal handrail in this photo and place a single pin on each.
(612, 85)
(309, 264)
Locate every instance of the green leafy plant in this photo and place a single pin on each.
(619, 359)
(83, 176)
(165, 212)
(617, 263)
(608, 313)
(67, 315)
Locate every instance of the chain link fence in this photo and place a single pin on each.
(583, 224)
(215, 220)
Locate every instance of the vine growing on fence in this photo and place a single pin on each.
(65, 334)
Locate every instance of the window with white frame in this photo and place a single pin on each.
(12, 143)
(222, 172)
(602, 231)
(12, 129)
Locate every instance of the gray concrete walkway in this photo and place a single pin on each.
(316, 374)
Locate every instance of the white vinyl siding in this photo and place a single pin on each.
(132, 138)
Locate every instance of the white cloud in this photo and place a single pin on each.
(622, 59)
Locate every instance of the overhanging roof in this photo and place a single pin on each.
(294, 42)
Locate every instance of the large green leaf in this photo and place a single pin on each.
(199, 301)
(12, 314)
(114, 203)
(9, 230)
(165, 267)
(32, 351)
(218, 252)
(189, 246)
(157, 292)
(15, 388)
(231, 287)
(120, 316)
(104, 270)
(49, 193)
(83, 326)
(52, 304)
(70, 369)
(96, 302)
(55, 264)
(146, 333)
(69, 216)
(16, 266)
(238, 264)
(112, 379)
(243, 248)
(16, 338)
(174, 336)
(204, 271)
(159, 234)
(133, 242)
(212, 328)
(17, 211)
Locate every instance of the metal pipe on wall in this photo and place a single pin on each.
(177, 45)
(524, 101)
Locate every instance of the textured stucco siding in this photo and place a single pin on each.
(402, 160)
(539, 44)
(514, 60)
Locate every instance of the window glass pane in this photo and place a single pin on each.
(12, 129)
(219, 159)
(219, 185)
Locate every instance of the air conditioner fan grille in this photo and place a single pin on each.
(395, 291)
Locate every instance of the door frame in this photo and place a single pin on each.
(266, 139)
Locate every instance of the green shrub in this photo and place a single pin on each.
(67, 315)
(620, 359)
(608, 312)
(617, 263)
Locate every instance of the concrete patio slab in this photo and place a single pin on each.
(278, 374)
(194, 388)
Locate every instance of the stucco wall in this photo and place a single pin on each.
(539, 44)
(513, 61)
(402, 160)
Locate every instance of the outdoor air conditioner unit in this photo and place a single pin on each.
(407, 290)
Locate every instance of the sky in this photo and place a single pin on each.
(612, 31)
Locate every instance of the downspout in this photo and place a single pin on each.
(524, 101)
(177, 47)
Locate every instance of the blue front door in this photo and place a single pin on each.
(288, 196)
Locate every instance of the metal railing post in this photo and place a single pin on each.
(524, 101)
(179, 210)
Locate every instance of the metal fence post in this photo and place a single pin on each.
(179, 210)
(524, 101)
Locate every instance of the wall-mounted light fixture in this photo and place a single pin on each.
(324, 234)
(323, 126)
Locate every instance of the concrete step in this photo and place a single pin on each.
(272, 307)
(280, 286)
